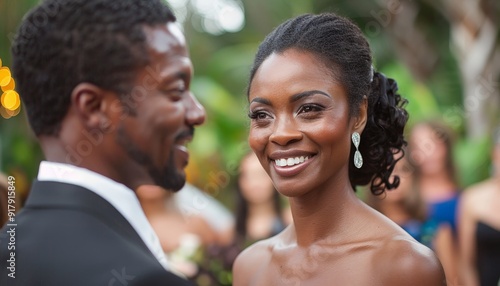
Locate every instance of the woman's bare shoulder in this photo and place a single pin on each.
(255, 252)
(401, 260)
(250, 260)
(404, 261)
(480, 191)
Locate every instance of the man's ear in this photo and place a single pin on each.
(362, 117)
(89, 102)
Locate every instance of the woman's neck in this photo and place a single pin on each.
(437, 187)
(318, 215)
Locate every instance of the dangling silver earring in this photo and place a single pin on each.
(358, 159)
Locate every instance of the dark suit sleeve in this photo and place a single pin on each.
(159, 279)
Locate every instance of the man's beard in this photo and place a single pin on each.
(168, 177)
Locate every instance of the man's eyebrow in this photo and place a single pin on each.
(167, 78)
(301, 95)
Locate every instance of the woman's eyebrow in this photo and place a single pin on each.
(294, 97)
(301, 95)
(261, 100)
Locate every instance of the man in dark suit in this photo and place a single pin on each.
(105, 84)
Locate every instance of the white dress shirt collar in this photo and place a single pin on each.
(118, 195)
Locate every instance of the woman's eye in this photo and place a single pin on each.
(256, 115)
(310, 108)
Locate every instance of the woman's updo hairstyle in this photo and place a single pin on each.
(341, 46)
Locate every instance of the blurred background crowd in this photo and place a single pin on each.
(445, 56)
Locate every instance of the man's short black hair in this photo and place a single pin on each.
(62, 43)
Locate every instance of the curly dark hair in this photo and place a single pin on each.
(340, 44)
(61, 43)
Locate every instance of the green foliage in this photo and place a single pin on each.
(18, 148)
(473, 160)
(421, 102)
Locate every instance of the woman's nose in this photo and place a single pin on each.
(285, 132)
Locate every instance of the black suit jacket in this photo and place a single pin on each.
(67, 235)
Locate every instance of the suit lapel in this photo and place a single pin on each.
(55, 195)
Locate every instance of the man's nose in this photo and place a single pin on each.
(195, 112)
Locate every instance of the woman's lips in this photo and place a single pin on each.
(288, 167)
(291, 161)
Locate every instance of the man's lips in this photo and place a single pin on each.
(181, 141)
(184, 137)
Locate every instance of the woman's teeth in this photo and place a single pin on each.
(291, 161)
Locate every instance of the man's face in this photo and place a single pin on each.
(160, 112)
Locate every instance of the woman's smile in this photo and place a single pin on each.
(288, 167)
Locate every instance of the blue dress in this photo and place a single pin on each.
(422, 232)
(444, 212)
(439, 213)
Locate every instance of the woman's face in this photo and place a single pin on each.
(300, 126)
(428, 151)
(255, 185)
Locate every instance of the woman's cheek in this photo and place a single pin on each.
(257, 139)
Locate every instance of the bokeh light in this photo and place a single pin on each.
(6, 114)
(10, 86)
(180, 8)
(232, 18)
(10, 102)
(5, 76)
(216, 17)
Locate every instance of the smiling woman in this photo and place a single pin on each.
(322, 122)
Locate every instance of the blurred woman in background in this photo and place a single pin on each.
(431, 154)
(181, 235)
(259, 213)
(479, 227)
(403, 205)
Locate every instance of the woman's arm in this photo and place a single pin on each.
(446, 249)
